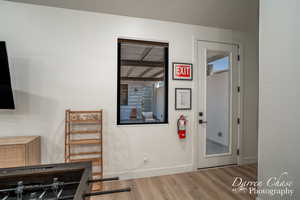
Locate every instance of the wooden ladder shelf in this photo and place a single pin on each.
(83, 139)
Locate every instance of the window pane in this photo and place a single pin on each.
(218, 63)
(218, 102)
(124, 94)
(142, 83)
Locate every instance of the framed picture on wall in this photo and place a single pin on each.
(183, 98)
(183, 71)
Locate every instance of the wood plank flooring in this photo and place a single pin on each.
(206, 184)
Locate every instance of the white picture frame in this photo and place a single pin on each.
(183, 99)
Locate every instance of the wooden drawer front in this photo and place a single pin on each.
(12, 156)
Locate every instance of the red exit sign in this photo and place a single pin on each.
(182, 71)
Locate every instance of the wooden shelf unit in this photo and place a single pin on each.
(84, 132)
(85, 121)
(83, 129)
(84, 141)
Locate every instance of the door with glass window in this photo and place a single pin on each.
(218, 104)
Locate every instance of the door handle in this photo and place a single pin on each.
(202, 122)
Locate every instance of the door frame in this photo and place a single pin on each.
(240, 65)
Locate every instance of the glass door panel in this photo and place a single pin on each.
(218, 102)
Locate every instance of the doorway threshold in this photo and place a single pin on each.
(219, 166)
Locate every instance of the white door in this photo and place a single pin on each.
(218, 104)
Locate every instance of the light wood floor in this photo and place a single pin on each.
(206, 184)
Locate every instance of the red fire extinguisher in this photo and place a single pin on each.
(181, 127)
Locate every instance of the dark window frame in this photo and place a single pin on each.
(166, 80)
(126, 94)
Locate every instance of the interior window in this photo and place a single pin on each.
(142, 82)
(124, 95)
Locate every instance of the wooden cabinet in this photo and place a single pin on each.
(20, 151)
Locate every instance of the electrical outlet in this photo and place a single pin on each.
(145, 159)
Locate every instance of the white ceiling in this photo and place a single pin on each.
(228, 14)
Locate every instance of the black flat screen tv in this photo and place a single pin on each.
(6, 94)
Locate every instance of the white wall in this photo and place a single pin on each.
(229, 14)
(279, 108)
(218, 107)
(250, 98)
(63, 59)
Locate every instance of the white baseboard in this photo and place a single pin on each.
(142, 173)
(249, 160)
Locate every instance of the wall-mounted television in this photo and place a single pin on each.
(6, 94)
